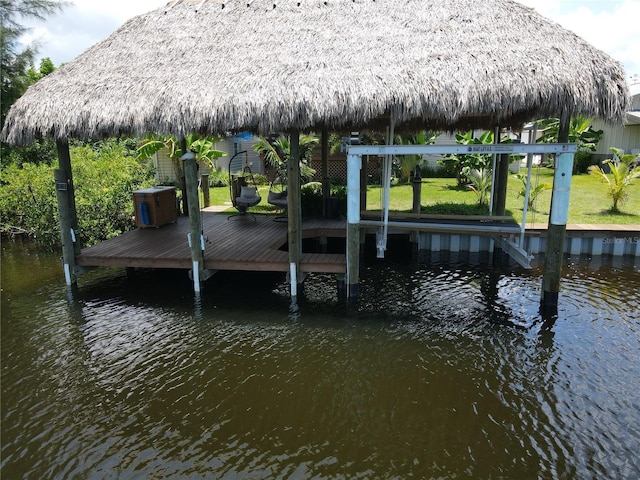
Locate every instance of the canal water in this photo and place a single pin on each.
(444, 370)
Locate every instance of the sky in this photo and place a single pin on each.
(610, 25)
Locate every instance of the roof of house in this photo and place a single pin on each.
(279, 65)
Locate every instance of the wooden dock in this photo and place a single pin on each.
(238, 243)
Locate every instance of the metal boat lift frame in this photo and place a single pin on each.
(559, 209)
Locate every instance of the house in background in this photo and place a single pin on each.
(625, 136)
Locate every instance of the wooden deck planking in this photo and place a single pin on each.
(238, 243)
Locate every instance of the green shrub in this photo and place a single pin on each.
(104, 181)
(28, 202)
(311, 200)
(219, 178)
(582, 161)
(437, 171)
(260, 179)
(455, 209)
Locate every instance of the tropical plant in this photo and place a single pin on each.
(533, 191)
(580, 132)
(203, 147)
(277, 151)
(407, 163)
(480, 179)
(624, 168)
(463, 164)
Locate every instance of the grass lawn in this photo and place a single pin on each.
(221, 196)
(589, 202)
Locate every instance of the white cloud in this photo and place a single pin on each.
(64, 36)
(610, 25)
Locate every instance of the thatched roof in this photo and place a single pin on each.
(276, 65)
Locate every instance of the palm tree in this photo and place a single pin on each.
(623, 170)
(480, 179)
(277, 152)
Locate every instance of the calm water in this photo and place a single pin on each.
(445, 371)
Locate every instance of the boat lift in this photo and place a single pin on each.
(506, 234)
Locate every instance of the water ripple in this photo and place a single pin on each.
(442, 371)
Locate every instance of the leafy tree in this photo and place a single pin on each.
(624, 168)
(580, 132)
(15, 63)
(277, 151)
(46, 67)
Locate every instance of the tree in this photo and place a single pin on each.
(480, 179)
(17, 73)
(623, 169)
(15, 63)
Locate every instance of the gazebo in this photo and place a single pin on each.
(298, 65)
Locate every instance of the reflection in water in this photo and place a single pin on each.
(443, 371)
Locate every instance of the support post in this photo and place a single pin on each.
(66, 231)
(326, 182)
(204, 186)
(500, 200)
(502, 177)
(417, 197)
(196, 240)
(557, 228)
(354, 164)
(363, 182)
(64, 164)
(294, 213)
(556, 232)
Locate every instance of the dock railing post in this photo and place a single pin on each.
(354, 164)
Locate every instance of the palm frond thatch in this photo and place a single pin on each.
(273, 66)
